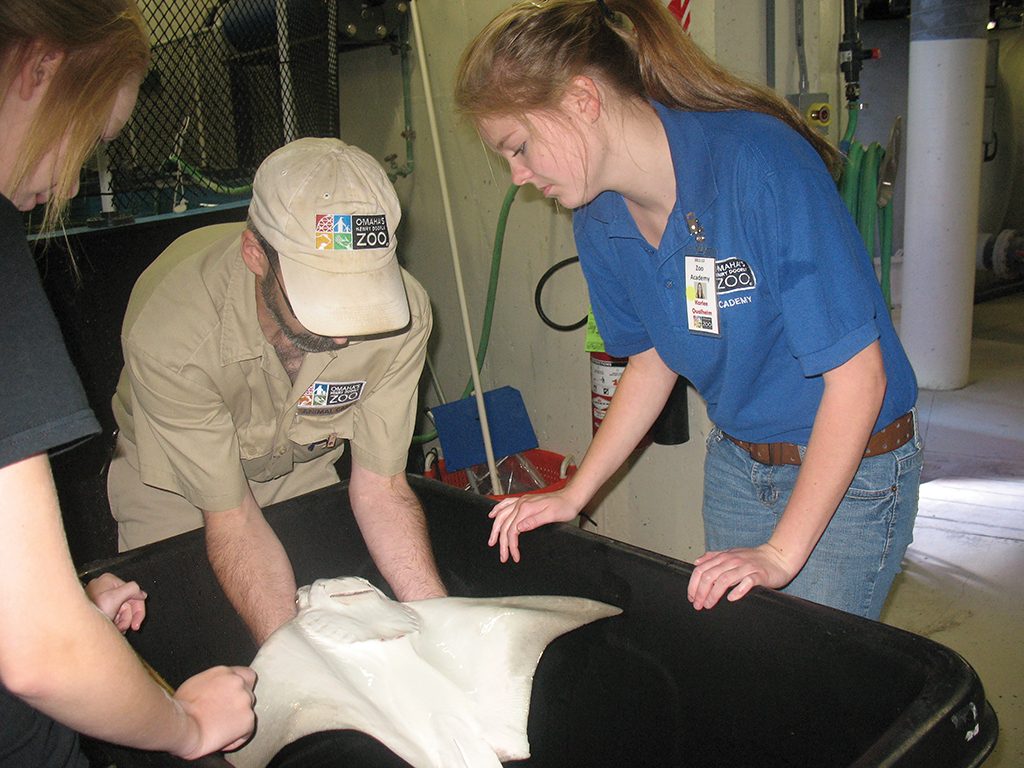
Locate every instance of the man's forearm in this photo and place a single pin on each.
(395, 530)
(252, 567)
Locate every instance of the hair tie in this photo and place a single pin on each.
(617, 20)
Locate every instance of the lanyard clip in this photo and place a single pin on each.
(696, 230)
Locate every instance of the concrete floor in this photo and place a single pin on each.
(961, 584)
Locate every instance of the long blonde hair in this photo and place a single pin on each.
(525, 59)
(104, 42)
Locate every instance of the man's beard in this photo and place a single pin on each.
(303, 340)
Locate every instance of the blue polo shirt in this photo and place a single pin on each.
(797, 293)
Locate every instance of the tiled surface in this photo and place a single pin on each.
(963, 579)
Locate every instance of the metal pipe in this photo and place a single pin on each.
(288, 129)
(850, 53)
(332, 55)
(395, 171)
(1002, 254)
(801, 54)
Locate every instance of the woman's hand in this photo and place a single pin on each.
(739, 570)
(524, 513)
(639, 398)
(124, 603)
(218, 704)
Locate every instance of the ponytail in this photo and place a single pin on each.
(526, 57)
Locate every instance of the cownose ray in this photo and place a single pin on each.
(443, 683)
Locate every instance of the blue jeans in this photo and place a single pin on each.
(853, 566)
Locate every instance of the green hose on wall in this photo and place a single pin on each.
(492, 293)
(859, 189)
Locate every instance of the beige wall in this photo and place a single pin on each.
(655, 503)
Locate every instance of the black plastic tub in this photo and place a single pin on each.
(767, 681)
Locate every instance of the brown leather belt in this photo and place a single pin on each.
(884, 440)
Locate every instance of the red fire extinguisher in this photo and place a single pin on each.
(605, 372)
(670, 428)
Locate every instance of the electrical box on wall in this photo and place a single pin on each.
(370, 21)
(814, 107)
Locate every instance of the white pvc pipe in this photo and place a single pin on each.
(478, 392)
(944, 156)
(103, 171)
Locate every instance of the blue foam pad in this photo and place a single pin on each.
(458, 428)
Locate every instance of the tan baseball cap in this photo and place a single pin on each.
(331, 213)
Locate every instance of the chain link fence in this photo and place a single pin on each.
(231, 81)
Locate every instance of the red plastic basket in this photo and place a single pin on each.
(547, 463)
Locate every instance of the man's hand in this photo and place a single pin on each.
(218, 704)
(124, 603)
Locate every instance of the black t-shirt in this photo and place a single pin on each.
(42, 406)
(42, 403)
(30, 739)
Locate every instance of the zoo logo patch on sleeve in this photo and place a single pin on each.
(350, 232)
(330, 396)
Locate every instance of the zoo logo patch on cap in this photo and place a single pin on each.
(348, 232)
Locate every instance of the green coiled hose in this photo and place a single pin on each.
(859, 189)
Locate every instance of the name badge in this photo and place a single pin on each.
(701, 294)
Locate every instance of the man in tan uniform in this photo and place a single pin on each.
(250, 360)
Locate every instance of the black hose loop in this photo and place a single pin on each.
(540, 288)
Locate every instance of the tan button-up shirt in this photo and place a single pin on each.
(208, 405)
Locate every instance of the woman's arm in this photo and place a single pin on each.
(847, 412)
(639, 398)
(66, 659)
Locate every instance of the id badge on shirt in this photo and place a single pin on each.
(701, 293)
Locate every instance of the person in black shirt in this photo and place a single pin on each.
(69, 77)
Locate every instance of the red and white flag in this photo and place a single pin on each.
(681, 10)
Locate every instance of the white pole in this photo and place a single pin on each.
(944, 156)
(103, 171)
(478, 392)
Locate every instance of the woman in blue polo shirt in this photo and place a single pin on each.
(716, 247)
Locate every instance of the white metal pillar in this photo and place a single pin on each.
(944, 156)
